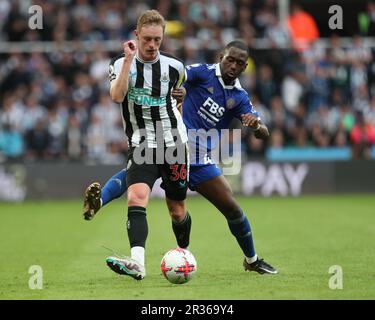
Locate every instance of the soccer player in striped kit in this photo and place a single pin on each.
(142, 80)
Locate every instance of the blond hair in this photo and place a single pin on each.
(150, 17)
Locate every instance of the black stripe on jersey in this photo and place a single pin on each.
(155, 110)
(173, 76)
(126, 116)
(156, 74)
(139, 83)
(156, 121)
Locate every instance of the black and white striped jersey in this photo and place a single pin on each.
(149, 112)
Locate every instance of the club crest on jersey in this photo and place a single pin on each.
(230, 103)
(164, 77)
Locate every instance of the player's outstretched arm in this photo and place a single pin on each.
(252, 121)
(119, 87)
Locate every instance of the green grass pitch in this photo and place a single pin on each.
(302, 237)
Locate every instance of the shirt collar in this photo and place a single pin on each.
(140, 60)
(237, 83)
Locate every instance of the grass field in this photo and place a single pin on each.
(302, 237)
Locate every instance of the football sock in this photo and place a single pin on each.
(181, 231)
(114, 187)
(138, 254)
(240, 228)
(137, 231)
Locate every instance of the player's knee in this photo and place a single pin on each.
(177, 210)
(138, 197)
(232, 210)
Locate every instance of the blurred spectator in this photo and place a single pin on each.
(370, 112)
(255, 148)
(56, 129)
(302, 27)
(266, 86)
(38, 141)
(292, 90)
(347, 117)
(340, 139)
(11, 142)
(107, 111)
(11, 113)
(366, 20)
(362, 136)
(74, 139)
(277, 33)
(357, 52)
(300, 135)
(319, 87)
(95, 140)
(277, 139)
(33, 112)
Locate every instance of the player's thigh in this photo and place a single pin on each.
(219, 193)
(175, 176)
(140, 180)
(143, 172)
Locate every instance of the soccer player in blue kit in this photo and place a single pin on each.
(213, 98)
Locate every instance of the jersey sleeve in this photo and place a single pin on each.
(245, 106)
(181, 73)
(193, 73)
(115, 67)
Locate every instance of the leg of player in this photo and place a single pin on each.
(181, 222)
(137, 228)
(97, 197)
(219, 193)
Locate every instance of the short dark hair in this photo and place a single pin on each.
(237, 44)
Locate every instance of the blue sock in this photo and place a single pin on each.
(240, 228)
(114, 187)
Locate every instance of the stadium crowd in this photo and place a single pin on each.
(55, 105)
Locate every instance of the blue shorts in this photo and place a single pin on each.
(202, 173)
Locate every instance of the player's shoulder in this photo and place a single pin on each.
(117, 58)
(171, 58)
(201, 66)
(242, 94)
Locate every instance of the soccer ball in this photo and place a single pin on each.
(178, 266)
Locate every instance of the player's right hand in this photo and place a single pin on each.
(130, 48)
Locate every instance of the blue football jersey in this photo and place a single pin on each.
(210, 104)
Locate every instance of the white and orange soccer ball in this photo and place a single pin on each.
(178, 266)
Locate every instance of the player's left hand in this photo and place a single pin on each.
(179, 94)
(250, 120)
